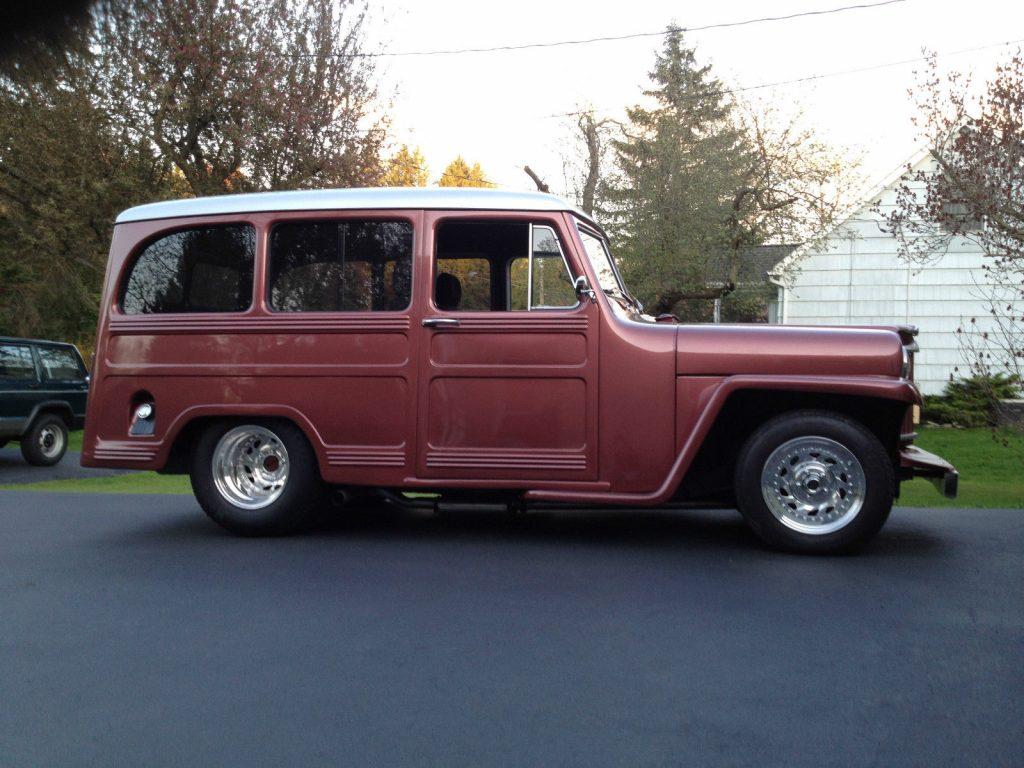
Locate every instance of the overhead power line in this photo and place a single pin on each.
(613, 38)
(804, 79)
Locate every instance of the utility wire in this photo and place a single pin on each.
(612, 38)
(805, 79)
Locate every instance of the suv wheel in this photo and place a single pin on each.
(815, 482)
(256, 478)
(46, 440)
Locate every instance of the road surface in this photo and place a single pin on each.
(134, 632)
(14, 468)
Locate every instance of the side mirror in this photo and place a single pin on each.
(583, 289)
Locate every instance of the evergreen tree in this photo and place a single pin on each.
(678, 167)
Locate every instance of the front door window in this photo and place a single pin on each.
(500, 266)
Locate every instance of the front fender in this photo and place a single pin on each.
(879, 387)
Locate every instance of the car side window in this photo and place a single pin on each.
(16, 363)
(341, 266)
(60, 364)
(201, 269)
(542, 280)
(500, 266)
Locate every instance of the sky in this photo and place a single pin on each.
(506, 109)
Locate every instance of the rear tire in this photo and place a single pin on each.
(46, 441)
(814, 482)
(257, 478)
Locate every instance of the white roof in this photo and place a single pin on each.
(374, 198)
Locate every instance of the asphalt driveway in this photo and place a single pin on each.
(134, 632)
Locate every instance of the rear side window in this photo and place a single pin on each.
(341, 266)
(204, 269)
(60, 364)
(16, 363)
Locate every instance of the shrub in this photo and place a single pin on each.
(970, 402)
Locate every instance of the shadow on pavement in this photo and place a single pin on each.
(720, 531)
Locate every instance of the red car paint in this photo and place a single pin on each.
(592, 404)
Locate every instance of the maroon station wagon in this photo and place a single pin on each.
(473, 348)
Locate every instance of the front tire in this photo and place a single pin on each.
(46, 441)
(256, 478)
(814, 482)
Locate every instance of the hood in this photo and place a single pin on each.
(788, 350)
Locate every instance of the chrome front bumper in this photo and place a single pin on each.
(915, 462)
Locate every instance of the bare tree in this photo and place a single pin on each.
(593, 133)
(974, 192)
(585, 156)
(541, 184)
(795, 187)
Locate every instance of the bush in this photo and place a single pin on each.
(970, 402)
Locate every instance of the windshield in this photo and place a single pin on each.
(601, 259)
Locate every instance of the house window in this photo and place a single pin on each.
(957, 215)
(203, 269)
(341, 266)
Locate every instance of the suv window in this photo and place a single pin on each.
(486, 266)
(60, 364)
(474, 276)
(552, 286)
(341, 266)
(16, 363)
(203, 269)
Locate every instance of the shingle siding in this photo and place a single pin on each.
(857, 278)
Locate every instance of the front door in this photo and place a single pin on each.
(508, 385)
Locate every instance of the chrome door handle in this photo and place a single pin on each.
(440, 322)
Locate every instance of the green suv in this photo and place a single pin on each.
(43, 388)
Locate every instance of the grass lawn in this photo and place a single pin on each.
(75, 440)
(136, 482)
(991, 474)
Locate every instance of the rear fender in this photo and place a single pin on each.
(154, 454)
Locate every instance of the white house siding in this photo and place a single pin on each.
(857, 278)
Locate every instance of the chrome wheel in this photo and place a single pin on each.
(250, 467)
(813, 485)
(51, 441)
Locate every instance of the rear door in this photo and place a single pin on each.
(19, 385)
(63, 376)
(508, 384)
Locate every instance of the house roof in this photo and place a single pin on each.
(755, 264)
(863, 201)
(377, 198)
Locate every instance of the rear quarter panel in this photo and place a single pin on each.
(346, 379)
